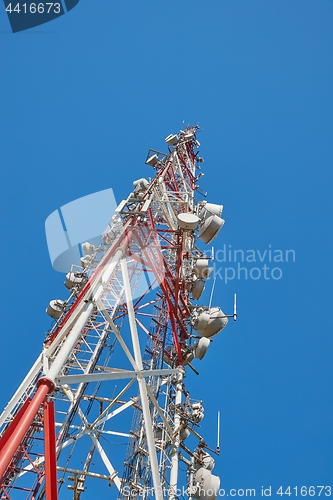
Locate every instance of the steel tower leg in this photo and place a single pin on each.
(175, 457)
(50, 452)
(12, 445)
(142, 385)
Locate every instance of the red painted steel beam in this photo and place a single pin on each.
(12, 426)
(178, 269)
(122, 242)
(12, 445)
(165, 286)
(174, 331)
(51, 482)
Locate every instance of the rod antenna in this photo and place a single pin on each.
(212, 293)
(235, 307)
(218, 432)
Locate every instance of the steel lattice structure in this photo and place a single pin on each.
(106, 399)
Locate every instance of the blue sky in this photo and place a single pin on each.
(82, 100)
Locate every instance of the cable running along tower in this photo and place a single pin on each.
(106, 402)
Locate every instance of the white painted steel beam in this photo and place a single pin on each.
(34, 371)
(175, 456)
(107, 463)
(113, 375)
(142, 386)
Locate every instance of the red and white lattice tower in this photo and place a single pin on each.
(104, 410)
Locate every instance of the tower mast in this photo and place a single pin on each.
(112, 370)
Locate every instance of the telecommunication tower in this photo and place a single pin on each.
(106, 401)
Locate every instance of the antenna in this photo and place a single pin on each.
(212, 292)
(235, 307)
(218, 432)
(212, 254)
